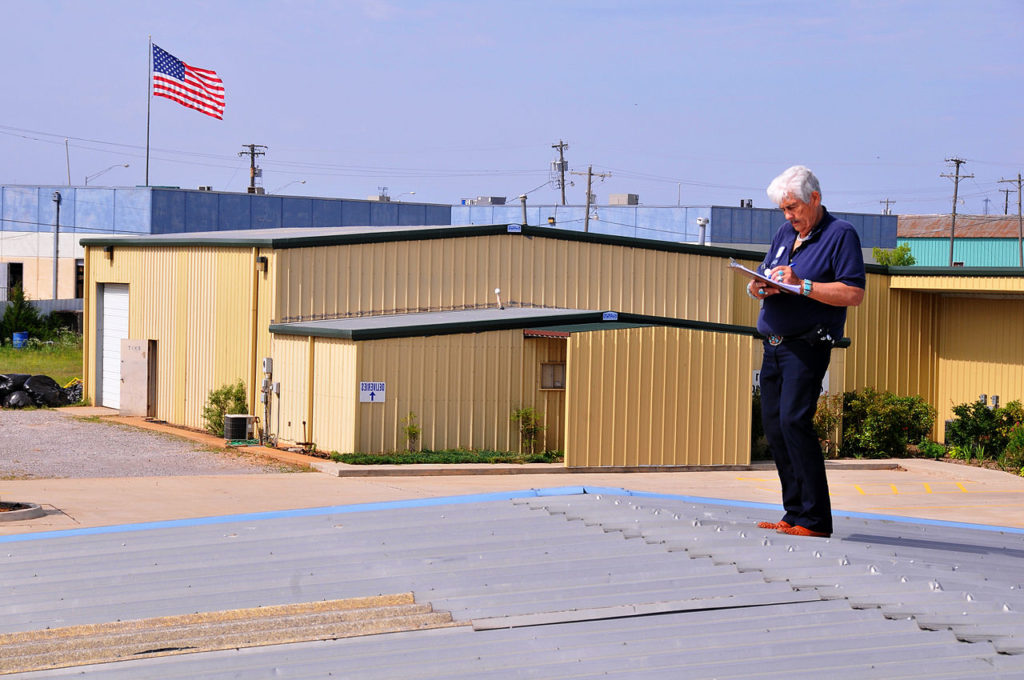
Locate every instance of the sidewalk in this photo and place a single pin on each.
(909, 488)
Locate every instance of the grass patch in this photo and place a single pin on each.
(61, 360)
(447, 457)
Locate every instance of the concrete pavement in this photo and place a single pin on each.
(906, 488)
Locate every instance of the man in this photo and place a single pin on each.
(822, 256)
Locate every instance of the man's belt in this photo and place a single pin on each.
(819, 335)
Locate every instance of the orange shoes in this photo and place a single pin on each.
(801, 531)
(780, 525)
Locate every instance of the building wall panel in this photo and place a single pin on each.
(195, 302)
(979, 352)
(406, 276)
(658, 396)
(335, 393)
(462, 388)
(291, 356)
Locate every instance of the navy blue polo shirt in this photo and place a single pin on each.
(831, 253)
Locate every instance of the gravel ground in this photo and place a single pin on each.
(46, 444)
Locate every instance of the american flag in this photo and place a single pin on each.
(197, 88)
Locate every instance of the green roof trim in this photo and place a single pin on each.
(474, 321)
(955, 272)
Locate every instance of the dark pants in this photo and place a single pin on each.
(791, 376)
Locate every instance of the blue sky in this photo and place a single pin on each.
(681, 102)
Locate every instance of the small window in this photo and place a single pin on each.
(552, 376)
(79, 278)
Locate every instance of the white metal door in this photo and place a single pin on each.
(113, 327)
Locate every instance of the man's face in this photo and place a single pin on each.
(803, 216)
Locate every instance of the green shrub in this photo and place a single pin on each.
(221, 402)
(411, 430)
(985, 429)
(19, 316)
(827, 419)
(445, 457)
(899, 256)
(930, 449)
(882, 424)
(1013, 455)
(530, 428)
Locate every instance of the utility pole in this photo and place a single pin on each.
(561, 146)
(1006, 200)
(253, 150)
(1020, 217)
(956, 177)
(887, 202)
(590, 178)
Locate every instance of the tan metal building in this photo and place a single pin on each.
(667, 381)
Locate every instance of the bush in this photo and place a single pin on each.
(983, 429)
(19, 316)
(882, 424)
(827, 419)
(445, 457)
(412, 431)
(929, 449)
(897, 257)
(221, 402)
(1013, 454)
(530, 428)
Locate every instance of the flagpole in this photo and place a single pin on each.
(149, 100)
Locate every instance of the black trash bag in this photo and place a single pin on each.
(11, 382)
(18, 399)
(45, 391)
(73, 394)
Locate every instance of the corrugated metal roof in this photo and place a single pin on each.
(967, 226)
(440, 322)
(552, 584)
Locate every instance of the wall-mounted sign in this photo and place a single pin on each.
(372, 392)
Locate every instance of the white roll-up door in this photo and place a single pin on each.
(113, 327)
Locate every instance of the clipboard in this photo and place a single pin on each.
(756, 276)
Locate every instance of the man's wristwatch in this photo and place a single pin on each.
(806, 291)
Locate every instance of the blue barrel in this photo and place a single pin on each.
(20, 339)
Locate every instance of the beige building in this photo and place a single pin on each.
(635, 353)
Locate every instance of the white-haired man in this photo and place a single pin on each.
(821, 255)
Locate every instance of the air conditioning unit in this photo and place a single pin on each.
(206, 188)
(623, 199)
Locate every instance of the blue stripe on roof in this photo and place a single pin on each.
(461, 500)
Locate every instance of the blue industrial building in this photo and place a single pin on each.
(725, 226)
(165, 210)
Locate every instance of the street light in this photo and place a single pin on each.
(405, 193)
(285, 186)
(97, 174)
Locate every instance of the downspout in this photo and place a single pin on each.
(87, 327)
(309, 390)
(253, 321)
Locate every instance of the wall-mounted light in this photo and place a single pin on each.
(261, 263)
(108, 252)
